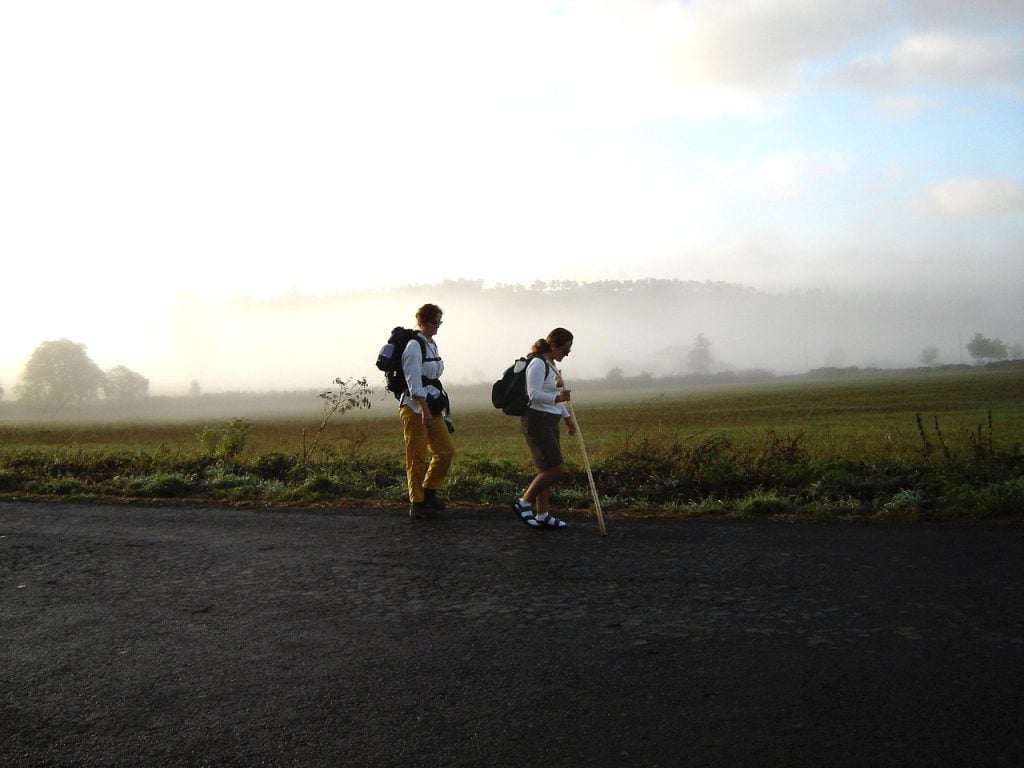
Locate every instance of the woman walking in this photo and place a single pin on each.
(423, 409)
(540, 425)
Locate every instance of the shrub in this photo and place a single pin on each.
(1001, 500)
(318, 487)
(225, 441)
(65, 485)
(9, 481)
(160, 485)
(905, 503)
(274, 466)
(766, 503)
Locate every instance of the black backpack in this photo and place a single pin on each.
(509, 392)
(389, 359)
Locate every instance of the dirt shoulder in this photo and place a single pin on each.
(194, 636)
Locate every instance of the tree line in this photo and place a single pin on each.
(60, 373)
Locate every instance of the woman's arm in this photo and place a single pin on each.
(536, 375)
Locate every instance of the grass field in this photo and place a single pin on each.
(936, 441)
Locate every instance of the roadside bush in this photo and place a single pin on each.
(274, 466)
(65, 485)
(225, 441)
(318, 487)
(1000, 500)
(661, 472)
(161, 485)
(905, 503)
(766, 503)
(27, 461)
(490, 481)
(9, 481)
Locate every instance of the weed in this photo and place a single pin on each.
(274, 466)
(1000, 500)
(765, 503)
(9, 481)
(225, 441)
(349, 395)
(903, 504)
(160, 485)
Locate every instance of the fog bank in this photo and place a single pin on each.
(640, 327)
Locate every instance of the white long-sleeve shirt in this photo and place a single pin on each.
(542, 390)
(416, 368)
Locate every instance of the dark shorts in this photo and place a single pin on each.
(543, 437)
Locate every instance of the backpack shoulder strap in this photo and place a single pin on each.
(547, 367)
(423, 350)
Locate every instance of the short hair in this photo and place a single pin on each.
(428, 313)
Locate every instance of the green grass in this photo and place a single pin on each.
(911, 446)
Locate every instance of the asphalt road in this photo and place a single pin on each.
(191, 637)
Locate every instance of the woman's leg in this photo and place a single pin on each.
(415, 452)
(540, 489)
(542, 482)
(543, 501)
(542, 437)
(442, 451)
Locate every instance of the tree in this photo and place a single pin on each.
(700, 358)
(1016, 353)
(60, 373)
(124, 385)
(929, 355)
(986, 349)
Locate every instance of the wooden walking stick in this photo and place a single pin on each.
(590, 475)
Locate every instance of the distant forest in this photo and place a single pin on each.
(628, 332)
(651, 327)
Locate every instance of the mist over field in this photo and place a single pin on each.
(803, 185)
(639, 327)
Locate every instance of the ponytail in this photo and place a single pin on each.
(559, 336)
(540, 347)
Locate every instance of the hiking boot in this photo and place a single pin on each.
(420, 510)
(432, 500)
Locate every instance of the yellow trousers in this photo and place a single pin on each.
(418, 441)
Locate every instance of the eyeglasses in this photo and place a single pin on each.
(436, 322)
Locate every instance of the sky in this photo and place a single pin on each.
(155, 155)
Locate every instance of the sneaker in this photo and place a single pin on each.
(420, 510)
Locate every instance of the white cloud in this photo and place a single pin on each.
(629, 61)
(775, 175)
(762, 44)
(977, 14)
(957, 198)
(903, 107)
(941, 58)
